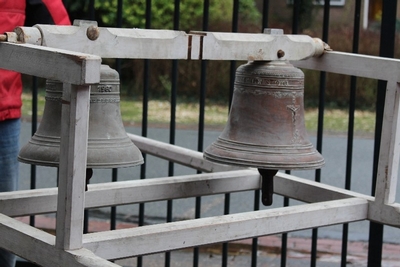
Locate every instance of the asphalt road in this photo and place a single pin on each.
(333, 173)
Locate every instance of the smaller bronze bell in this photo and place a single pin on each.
(266, 128)
(108, 144)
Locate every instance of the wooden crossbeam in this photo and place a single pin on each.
(50, 63)
(39, 247)
(170, 236)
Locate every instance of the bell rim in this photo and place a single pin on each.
(251, 163)
(96, 165)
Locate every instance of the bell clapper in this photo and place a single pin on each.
(267, 185)
(89, 174)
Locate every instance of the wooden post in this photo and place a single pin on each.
(388, 163)
(72, 170)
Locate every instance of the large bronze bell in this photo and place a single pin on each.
(108, 143)
(266, 128)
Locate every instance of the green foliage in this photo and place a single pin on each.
(162, 12)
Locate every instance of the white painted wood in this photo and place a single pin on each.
(156, 189)
(388, 163)
(385, 214)
(184, 156)
(38, 246)
(310, 191)
(30, 202)
(50, 63)
(189, 233)
(117, 42)
(255, 46)
(195, 45)
(354, 64)
(72, 170)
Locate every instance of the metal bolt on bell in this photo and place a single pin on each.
(266, 128)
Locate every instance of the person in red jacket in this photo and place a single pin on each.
(12, 14)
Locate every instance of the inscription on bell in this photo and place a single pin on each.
(104, 88)
(260, 81)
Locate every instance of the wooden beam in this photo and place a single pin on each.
(354, 64)
(37, 201)
(388, 162)
(117, 42)
(50, 63)
(310, 191)
(385, 214)
(190, 233)
(38, 247)
(255, 46)
(187, 157)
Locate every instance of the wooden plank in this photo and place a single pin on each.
(385, 214)
(310, 191)
(354, 64)
(50, 63)
(72, 170)
(184, 156)
(117, 42)
(255, 46)
(30, 202)
(38, 246)
(171, 188)
(190, 233)
(388, 162)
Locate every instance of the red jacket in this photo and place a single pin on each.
(12, 14)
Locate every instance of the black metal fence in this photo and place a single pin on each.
(387, 41)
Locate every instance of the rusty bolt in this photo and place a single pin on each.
(281, 53)
(92, 32)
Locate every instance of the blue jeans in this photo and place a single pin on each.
(9, 147)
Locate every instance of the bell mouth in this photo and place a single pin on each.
(101, 156)
(295, 158)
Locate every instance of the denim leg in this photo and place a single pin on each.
(9, 147)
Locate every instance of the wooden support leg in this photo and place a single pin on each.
(72, 171)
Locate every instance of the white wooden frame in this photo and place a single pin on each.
(328, 205)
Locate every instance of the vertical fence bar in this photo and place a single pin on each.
(92, 16)
(202, 104)
(91, 10)
(386, 49)
(33, 130)
(320, 129)
(350, 132)
(295, 30)
(256, 205)
(114, 172)
(172, 127)
(227, 200)
(145, 109)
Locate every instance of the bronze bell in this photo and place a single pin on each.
(108, 143)
(266, 128)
